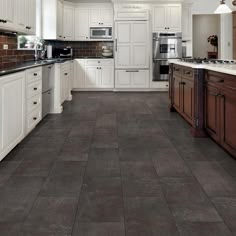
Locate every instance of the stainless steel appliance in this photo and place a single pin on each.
(165, 46)
(101, 33)
(46, 89)
(207, 61)
(62, 52)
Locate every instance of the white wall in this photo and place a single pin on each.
(203, 27)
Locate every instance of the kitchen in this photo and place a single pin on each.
(108, 124)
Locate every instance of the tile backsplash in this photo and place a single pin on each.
(12, 56)
(83, 49)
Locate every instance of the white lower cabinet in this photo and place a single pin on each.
(12, 111)
(93, 74)
(33, 98)
(65, 78)
(132, 79)
(160, 85)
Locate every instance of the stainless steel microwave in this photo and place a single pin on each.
(101, 33)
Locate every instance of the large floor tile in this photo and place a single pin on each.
(141, 188)
(99, 229)
(168, 163)
(146, 209)
(134, 154)
(203, 229)
(52, 214)
(214, 179)
(138, 170)
(227, 209)
(183, 191)
(104, 154)
(95, 208)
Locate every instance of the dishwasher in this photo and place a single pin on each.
(46, 89)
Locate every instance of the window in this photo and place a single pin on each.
(26, 42)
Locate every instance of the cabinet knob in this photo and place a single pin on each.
(4, 21)
(66, 74)
(35, 74)
(35, 89)
(35, 118)
(35, 103)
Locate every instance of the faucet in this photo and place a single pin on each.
(36, 55)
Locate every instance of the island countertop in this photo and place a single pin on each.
(221, 68)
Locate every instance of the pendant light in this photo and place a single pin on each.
(223, 8)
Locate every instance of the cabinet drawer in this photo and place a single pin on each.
(33, 119)
(177, 70)
(33, 89)
(34, 103)
(33, 75)
(188, 73)
(102, 62)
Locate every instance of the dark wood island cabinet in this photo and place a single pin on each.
(186, 96)
(220, 109)
(207, 101)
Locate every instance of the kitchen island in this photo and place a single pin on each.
(205, 96)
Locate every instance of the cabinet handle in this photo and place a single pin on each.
(66, 74)
(129, 71)
(116, 45)
(35, 89)
(35, 103)
(176, 69)
(188, 73)
(35, 118)
(4, 21)
(221, 81)
(35, 74)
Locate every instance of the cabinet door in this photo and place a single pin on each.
(123, 79)
(59, 20)
(188, 99)
(107, 77)
(7, 14)
(228, 117)
(140, 55)
(91, 77)
(177, 92)
(31, 16)
(20, 15)
(123, 45)
(94, 17)
(106, 16)
(12, 112)
(68, 23)
(186, 23)
(174, 17)
(81, 24)
(140, 79)
(212, 111)
(63, 87)
(79, 74)
(159, 18)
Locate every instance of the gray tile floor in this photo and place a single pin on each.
(117, 164)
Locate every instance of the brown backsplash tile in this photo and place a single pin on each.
(12, 56)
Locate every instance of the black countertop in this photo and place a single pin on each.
(27, 65)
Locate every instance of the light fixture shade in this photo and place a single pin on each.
(223, 9)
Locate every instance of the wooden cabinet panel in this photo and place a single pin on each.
(212, 112)
(177, 91)
(228, 118)
(188, 99)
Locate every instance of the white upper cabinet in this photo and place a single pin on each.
(7, 14)
(52, 19)
(187, 22)
(132, 44)
(81, 24)
(167, 17)
(31, 16)
(101, 17)
(68, 23)
(25, 16)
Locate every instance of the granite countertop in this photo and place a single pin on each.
(94, 57)
(27, 65)
(222, 68)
